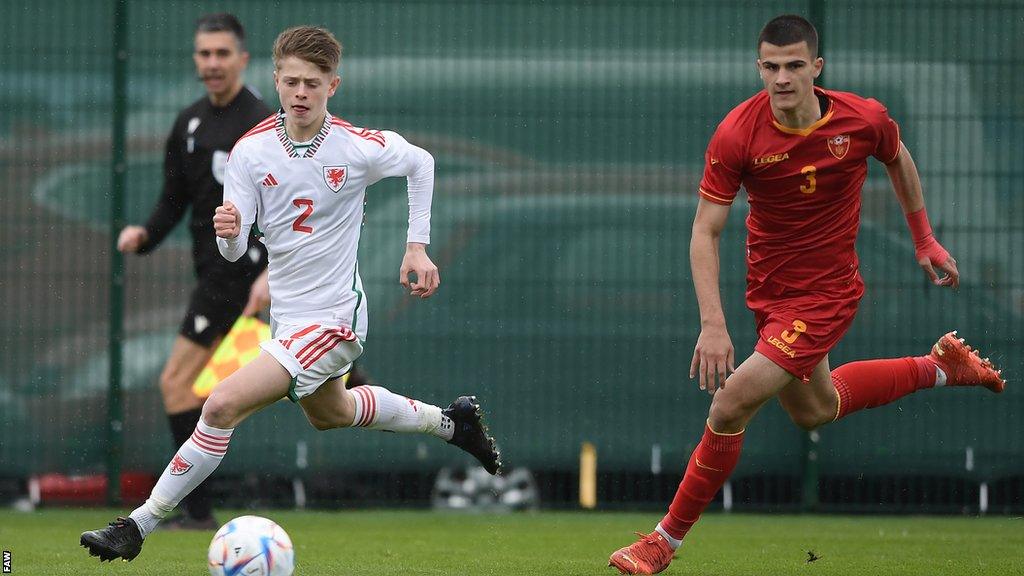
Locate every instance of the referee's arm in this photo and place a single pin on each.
(173, 202)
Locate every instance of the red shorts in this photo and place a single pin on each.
(797, 328)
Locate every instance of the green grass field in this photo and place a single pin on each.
(405, 543)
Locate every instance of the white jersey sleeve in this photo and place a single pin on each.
(400, 158)
(240, 190)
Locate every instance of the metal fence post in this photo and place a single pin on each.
(118, 170)
(810, 473)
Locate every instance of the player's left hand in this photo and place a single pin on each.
(931, 255)
(259, 296)
(951, 277)
(426, 278)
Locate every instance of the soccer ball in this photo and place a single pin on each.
(253, 546)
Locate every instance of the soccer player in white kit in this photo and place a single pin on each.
(300, 176)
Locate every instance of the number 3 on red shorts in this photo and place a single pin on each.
(798, 329)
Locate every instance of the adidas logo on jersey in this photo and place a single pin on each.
(269, 181)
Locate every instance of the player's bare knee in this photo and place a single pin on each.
(220, 412)
(727, 414)
(805, 421)
(811, 419)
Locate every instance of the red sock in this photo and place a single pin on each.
(872, 383)
(710, 465)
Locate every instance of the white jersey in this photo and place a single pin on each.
(309, 208)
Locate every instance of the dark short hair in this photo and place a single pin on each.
(789, 29)
(222, 22)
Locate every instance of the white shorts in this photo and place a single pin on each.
(312, 354)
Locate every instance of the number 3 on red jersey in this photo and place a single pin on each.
(812, 184)
(298, 225)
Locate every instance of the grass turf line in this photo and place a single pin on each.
(385, 543)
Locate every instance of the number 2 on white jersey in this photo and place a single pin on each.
(298, 225)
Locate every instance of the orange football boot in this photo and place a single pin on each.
(648, 555)
(964, 366)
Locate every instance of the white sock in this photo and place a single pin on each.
(378, 408)
(940, 377)
(197, 458)
(675, 544)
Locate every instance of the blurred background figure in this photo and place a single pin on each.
(196, 153)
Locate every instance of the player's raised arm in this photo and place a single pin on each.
(400, 158)
(226, 222)
(714, 354)
(906, 182)
(234, 218)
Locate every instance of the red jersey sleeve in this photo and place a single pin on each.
(723, 165)
(887, 145)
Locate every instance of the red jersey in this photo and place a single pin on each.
(803, 186)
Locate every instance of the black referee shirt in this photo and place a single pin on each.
(194, 166)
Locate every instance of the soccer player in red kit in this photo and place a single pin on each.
(801, 153)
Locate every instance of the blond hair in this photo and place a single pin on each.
(310, 43)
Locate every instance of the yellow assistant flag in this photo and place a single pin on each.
(239, 347)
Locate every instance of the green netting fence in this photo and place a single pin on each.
(569, 139)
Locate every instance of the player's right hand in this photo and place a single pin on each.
(713, 359)
(227, 222)
(131, 239)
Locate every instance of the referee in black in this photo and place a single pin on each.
(197, 151)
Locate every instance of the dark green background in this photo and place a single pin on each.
(569, 139)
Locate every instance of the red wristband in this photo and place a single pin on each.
(919, 226)
(925, 244)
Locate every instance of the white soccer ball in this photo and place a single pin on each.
(251, 546)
